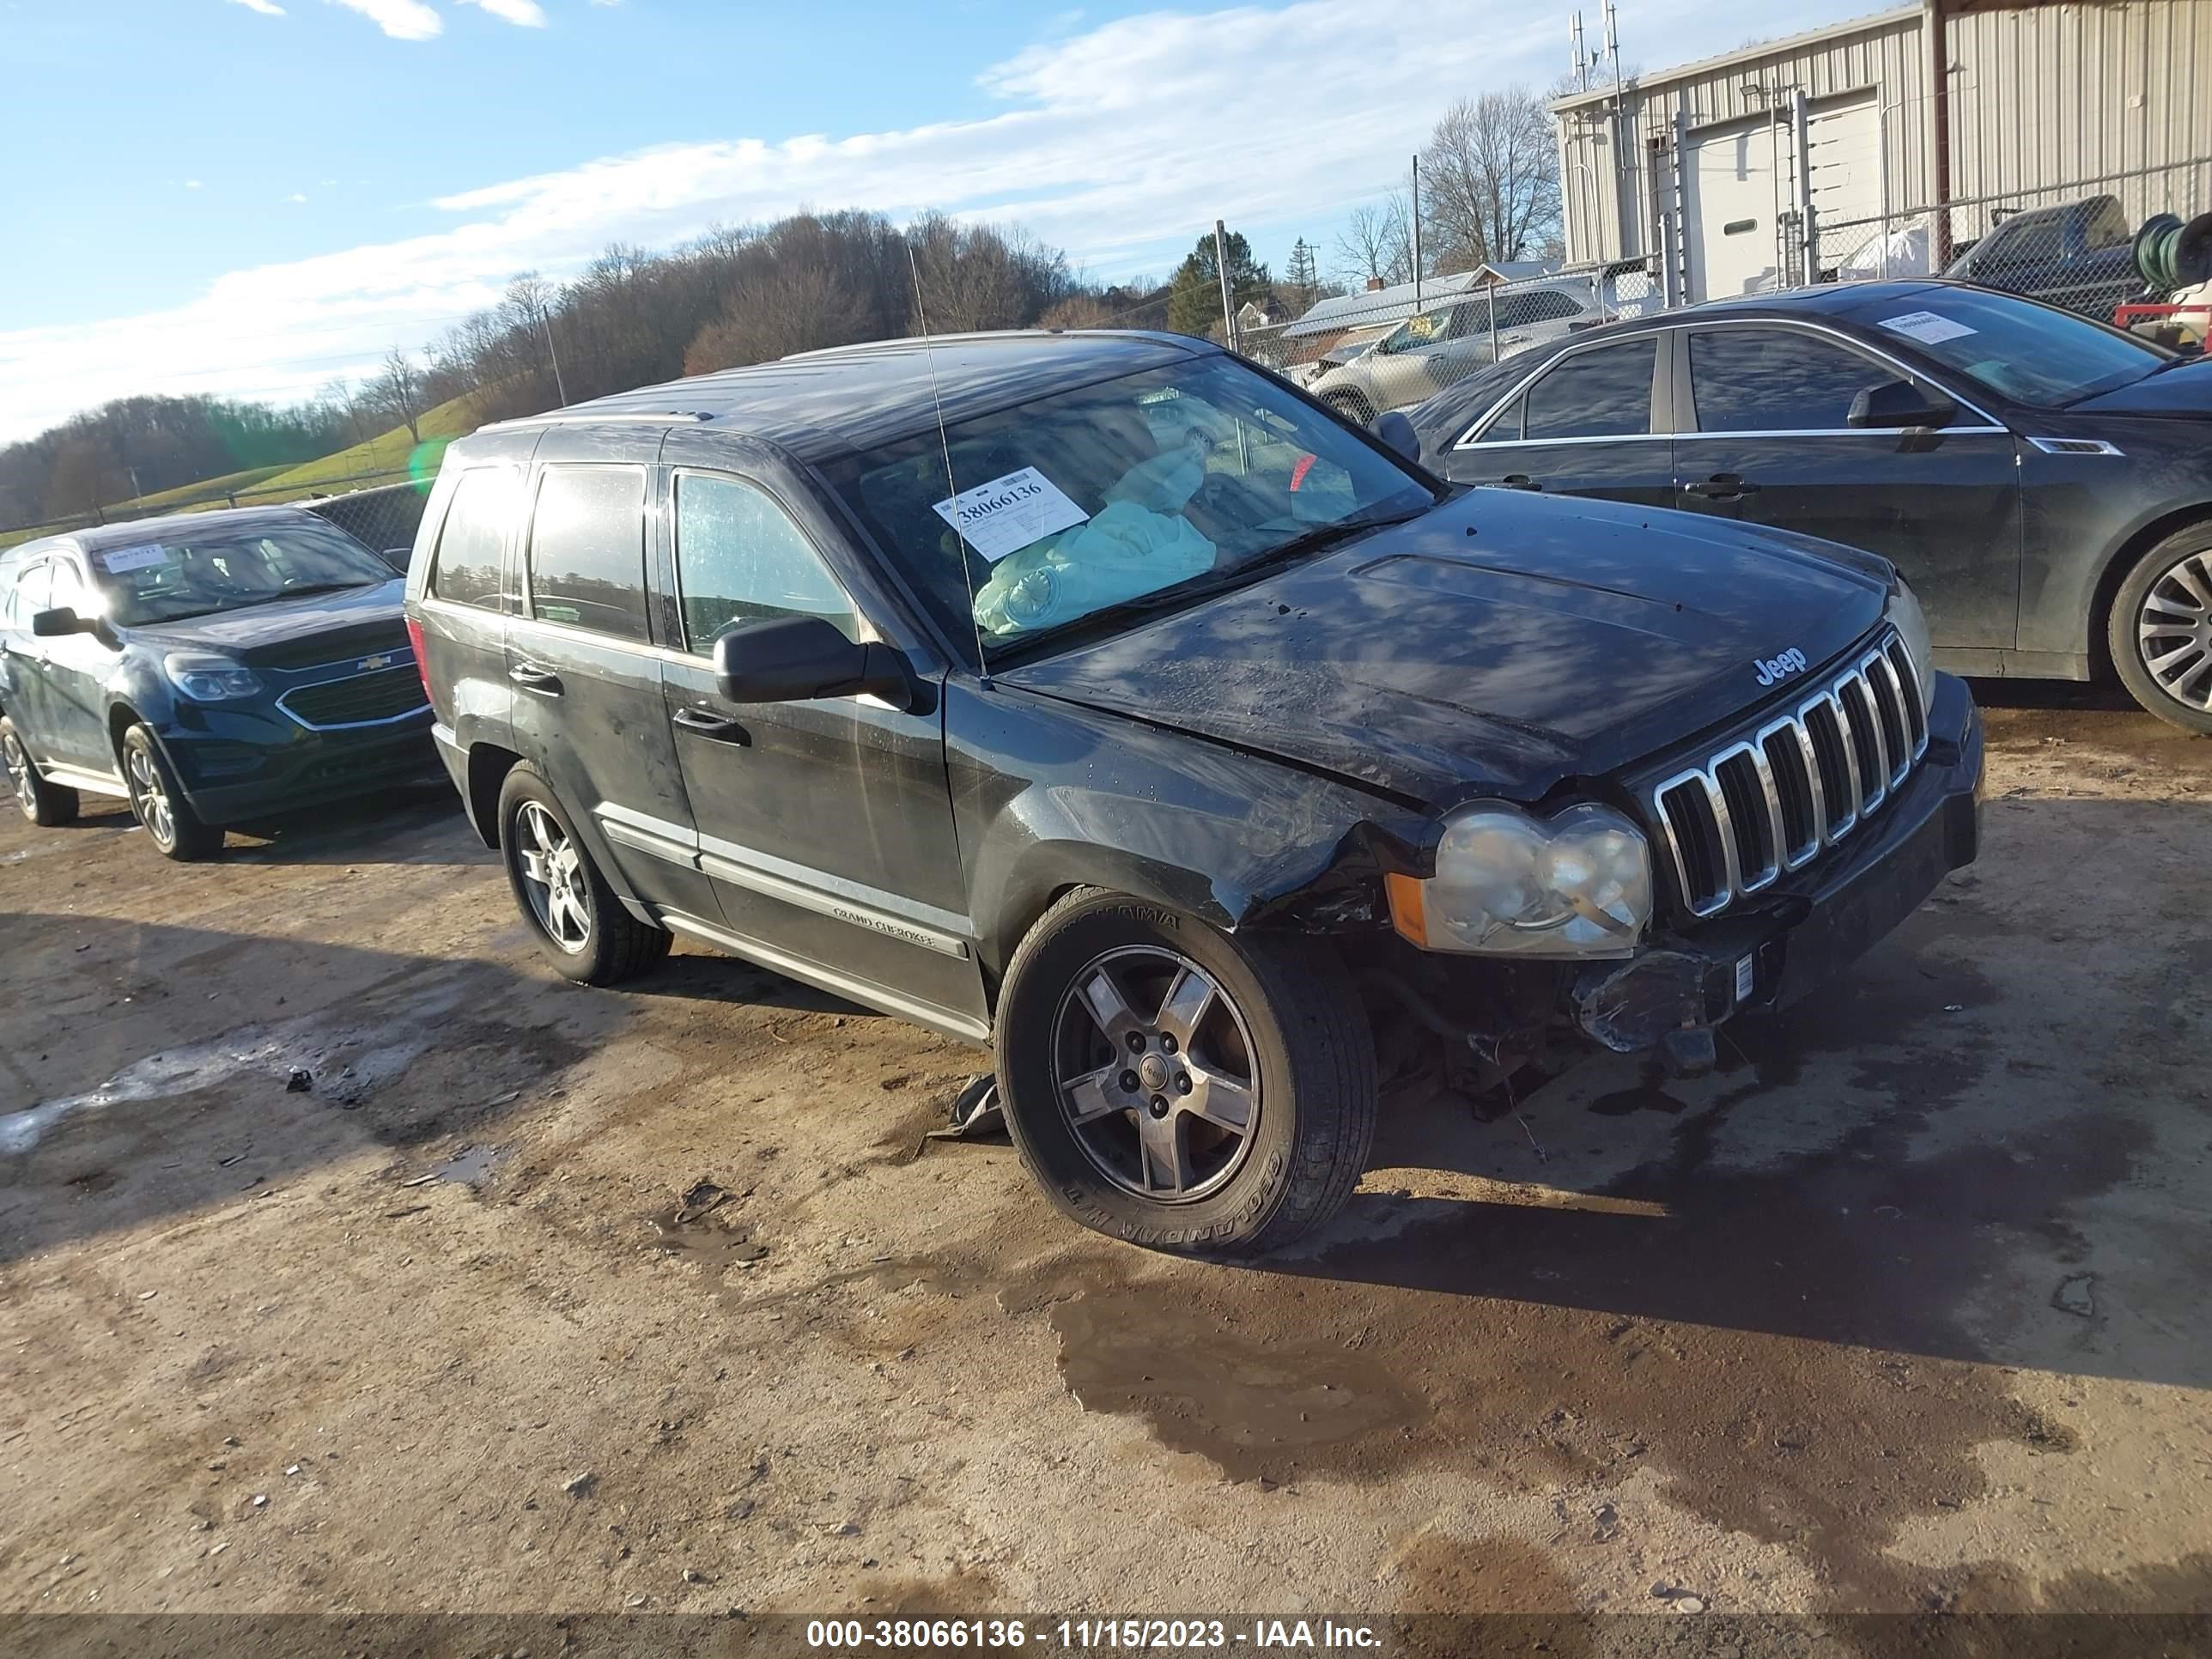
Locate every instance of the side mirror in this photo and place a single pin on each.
(53, 624)
(1899, 403)
(795, 658)
(1397, 435)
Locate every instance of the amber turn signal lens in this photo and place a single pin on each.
(1408, 913)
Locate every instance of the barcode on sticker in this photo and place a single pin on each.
(1746, 975)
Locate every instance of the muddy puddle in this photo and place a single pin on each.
(1257, 1410)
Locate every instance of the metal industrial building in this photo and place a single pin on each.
(1881, 145)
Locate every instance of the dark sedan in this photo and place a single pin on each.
(2045, 482)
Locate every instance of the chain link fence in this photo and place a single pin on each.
(384, 518)
(2093, 246)
(1391, 347)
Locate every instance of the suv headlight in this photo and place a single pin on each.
(1577, 885)
(1905, 616)
(205, 678)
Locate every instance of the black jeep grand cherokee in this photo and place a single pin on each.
(1102, 699)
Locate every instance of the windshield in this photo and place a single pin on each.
(180, 574)
(1177, 477)
(2030, 352)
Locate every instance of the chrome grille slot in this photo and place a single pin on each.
(1773, 801)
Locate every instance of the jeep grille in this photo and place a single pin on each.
(1773, 800)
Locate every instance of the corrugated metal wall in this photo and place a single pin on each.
(2046, 95)
(2078, 92)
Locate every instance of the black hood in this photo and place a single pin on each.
(320, 628)
(2182, 391)
(1496, 645)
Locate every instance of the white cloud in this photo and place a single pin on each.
(523, 13)
(296, 196)
(1120, 144)
(402, 20)
(191, 184)
(266, 7)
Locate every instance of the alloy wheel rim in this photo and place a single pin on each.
(19, 774)
(150, 799)
(553, 878)
(1153, 1070)
(2174, 630)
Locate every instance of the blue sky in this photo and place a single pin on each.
(250, 196)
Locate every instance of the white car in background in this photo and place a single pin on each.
(1445, 343)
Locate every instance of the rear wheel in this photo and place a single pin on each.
(582, 924)
(2161, 630)
(1351, 405)
(1181, 1088)
(44, 803)
(159, 805)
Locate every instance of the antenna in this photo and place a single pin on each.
(1575, 49)
(945, 443)
(1613, 45)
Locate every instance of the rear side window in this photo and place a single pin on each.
(470, 546)
(1773, 380)
(1606, 393)
(587, 549)
(740, 558)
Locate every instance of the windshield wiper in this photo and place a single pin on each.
(319, 587)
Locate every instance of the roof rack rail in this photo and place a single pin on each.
(601, 417)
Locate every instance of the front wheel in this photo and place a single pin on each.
(45, 805)
(586, 931)
(2160, 631)
(162, 812)
(1351, 406)
(1181, 1088)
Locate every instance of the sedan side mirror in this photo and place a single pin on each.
(1397, 435)
(53, 624)
(1899, 403)
(796, 659)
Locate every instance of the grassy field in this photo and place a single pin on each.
(392, 453)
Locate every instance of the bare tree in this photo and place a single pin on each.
(1490, 175)
(1376, 243)
(398, 392)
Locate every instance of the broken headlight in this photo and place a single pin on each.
(1576, 884)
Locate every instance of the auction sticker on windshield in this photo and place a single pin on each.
(1926, 327)
(124, 559)
(1008, 514)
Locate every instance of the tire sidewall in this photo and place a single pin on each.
(525, 786)
(10, 736)
(190, 839)
(1040, 974)
(2120, 633)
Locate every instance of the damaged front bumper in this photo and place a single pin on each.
(1800, 936)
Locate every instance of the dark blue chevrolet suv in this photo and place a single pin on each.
(210, 668)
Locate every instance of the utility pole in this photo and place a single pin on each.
(1221, 270)
(1417, 233)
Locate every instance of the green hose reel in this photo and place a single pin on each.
(2173, 255)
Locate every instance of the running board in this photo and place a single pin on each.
(90, 783)
(965, 1027)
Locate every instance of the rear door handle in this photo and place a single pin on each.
(1519, 481)
(532, 678)
(716, 728)
(1722, 487)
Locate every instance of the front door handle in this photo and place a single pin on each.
(716, 728)
(531, 676)
(1722, 487)
(1519, 481)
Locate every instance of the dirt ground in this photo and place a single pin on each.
(1905, 1309)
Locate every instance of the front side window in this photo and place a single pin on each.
(1506, 428)
(473, 542)
(1603, 393)
(1144, 491)
(32, 584)
(183, 572)
(587, 549)
(69, 590)
(2030, 352)
(1775, 380)
(740, 558)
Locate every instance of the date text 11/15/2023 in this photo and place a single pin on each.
(1124, 1635)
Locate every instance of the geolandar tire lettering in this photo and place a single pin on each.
(577, 921)
(1179, 1088)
